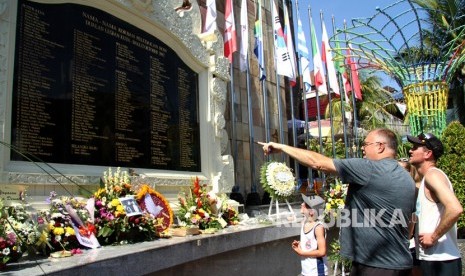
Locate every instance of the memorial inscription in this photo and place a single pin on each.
(92, 89)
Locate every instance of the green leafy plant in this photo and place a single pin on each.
(403, 150)
(336, 257)
(453, 164)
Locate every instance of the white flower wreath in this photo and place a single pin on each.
(277, 179)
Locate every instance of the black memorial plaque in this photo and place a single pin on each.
(92, 89)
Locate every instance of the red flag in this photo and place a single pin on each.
(230, 44)
(317, 64)
(354, 76)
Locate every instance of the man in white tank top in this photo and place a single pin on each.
(437, 210)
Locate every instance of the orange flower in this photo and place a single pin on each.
(88, 230)
(196, 186)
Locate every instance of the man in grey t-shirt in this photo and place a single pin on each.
(379, 203)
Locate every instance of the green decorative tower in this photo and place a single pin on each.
(419, 45)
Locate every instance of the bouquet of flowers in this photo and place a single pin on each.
(24, 226)
(56, 223)
(204, 209)
(118, 223)
(335, 198)
(277, 179)
(10, 249)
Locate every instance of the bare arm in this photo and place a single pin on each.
(438, 186)
(321, 242)
(307, 158)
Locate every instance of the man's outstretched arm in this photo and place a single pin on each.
(307, 158)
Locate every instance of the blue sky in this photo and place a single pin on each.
(341, 10)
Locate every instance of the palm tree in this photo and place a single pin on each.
(377, 109)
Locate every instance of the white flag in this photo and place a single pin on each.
(290, 44)
(304, 62)
(210, 17)
(283, 60)
(244, 36)
(327, 57)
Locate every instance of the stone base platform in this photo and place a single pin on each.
(238, 250)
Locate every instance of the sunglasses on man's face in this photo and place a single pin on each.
(416, 146)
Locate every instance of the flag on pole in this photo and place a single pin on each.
(327, 58)
(258, 49)
(340, 67)
(304, 62)
(318, 74)
(354, 74)
(244, 36)
(283, 62)
(230, 41)
(210, 17)
(290, 45)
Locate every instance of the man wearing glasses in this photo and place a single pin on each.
(437, 210)
(378, 186)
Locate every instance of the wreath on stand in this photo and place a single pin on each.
(277, 179)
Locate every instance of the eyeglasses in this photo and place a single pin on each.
(366, 144)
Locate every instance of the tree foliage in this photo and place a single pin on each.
(453, 164)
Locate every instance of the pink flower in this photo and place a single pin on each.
(76, 251)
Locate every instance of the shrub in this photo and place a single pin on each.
(453, 164)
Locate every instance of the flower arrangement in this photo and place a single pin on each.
(277, 179)
(121, 224)
(25, 227)
(57, 232)
(153, 202)
(203, 209)
(9, 244)
(335, 198)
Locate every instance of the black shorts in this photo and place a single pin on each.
(438, 268)
(359, 269)
(416, 262)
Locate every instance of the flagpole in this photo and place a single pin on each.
(251, 132)
(244, 51)
(342, 95)
(317, 96)
(294, 130)
(265, 96)
(304, 90)
(278, 99)
(230, 47)
(354, 103)
(233, 119)
(333, 142)
(262, 71)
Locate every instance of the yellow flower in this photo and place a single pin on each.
(99, 192)
(120, 208)
(58, 231)
(115, 202)
(43, 238)
(69, 230)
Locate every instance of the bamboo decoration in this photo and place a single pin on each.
(427, 104)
